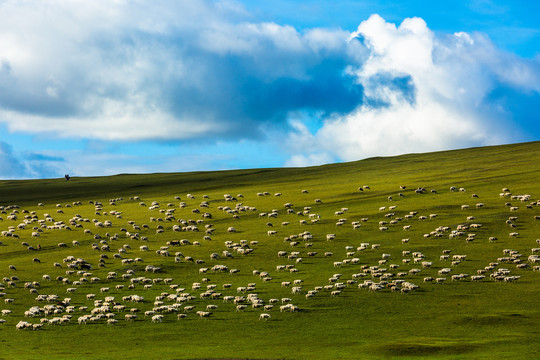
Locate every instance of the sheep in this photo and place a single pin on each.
(264, 316)
(241, 307)
(23, 325)
(203, 314)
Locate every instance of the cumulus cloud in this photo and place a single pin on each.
(423, 92)
(162, 70)
(205, 72)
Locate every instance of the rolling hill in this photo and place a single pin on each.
(429, 255)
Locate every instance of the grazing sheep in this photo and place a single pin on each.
(203, 314)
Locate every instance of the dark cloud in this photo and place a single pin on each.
(242, 97)
(206, 72)
(189, 71)
(221, 71)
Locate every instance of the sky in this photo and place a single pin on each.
(132, 86)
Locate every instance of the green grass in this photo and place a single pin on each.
(454, 320)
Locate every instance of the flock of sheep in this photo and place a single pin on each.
(124, 266)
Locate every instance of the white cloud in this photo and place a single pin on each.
(204, 71)
(424, 92)
(156, 70)
(301, 160)
(116, 120)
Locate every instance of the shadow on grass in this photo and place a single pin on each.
(421, 350)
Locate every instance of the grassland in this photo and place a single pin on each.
(460, 319)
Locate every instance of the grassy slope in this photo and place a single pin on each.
(454, 320)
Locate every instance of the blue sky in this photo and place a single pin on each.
(100, 88)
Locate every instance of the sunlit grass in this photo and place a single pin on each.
(457, 319)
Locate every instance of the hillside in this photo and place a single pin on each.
(454, 165)
(419, 255)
